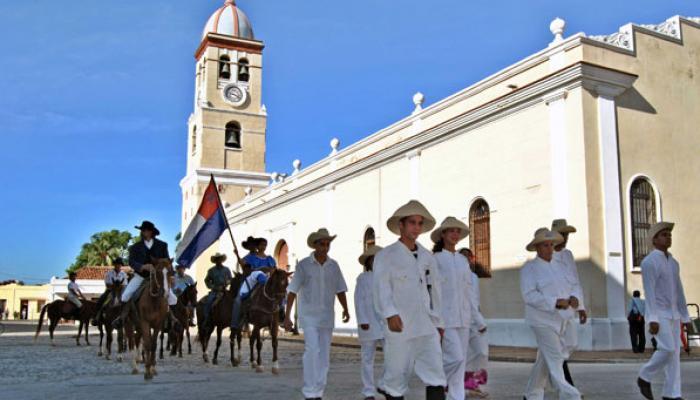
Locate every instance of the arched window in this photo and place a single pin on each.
(282, 255)
(369, 239)
(480, 235)
(233, 135)
(243, 70)
(194, 140)
(643, 216)
(224, 67)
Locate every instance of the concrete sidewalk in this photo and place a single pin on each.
(527, 355)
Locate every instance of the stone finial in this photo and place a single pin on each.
(418, 100)
(297, 166)
(273, 177)
(335, 143)
(557, 28)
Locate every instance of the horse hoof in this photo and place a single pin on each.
(135, 371)
(153, 371)
(259, 369)
(99, 354)
(275, 371)
(215, 362)
(120, 359)
(235, 363)
(179, 355)
(205, 357)
(77, 344)
(147, 376)
(107, 357)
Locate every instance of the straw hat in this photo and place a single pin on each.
(544, 235)
(447, 223)
(655, 229)
(218, 257)
(370, 252)
(561, 226)
(319, 235)
(413, 207)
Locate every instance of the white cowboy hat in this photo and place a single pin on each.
(218, 256)
(447, 223)
(544, 235)
(319, 235)
(655, 229)
(370, 252)
(561, 226)
(413, 207)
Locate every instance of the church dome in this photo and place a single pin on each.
(229, 20)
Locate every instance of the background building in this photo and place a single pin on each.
(19, 301)
(601, 130)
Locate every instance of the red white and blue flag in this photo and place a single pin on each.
(205, 229)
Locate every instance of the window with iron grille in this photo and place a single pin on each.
(369, 239)
(643, 216)
(480, 234)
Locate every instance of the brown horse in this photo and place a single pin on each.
(152, 308)
(219, 319)
(182, 311)
(58, 309)
(264, 306)
(110, 312)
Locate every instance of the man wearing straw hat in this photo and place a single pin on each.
(565, 260)
(457, 307)
(407, 295)
(370, 331)
(665, 310)
(217, 279)
(548, 305)
(317, 280)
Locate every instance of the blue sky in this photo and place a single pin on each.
(95, 95)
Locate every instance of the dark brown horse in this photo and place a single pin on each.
(264, 313)
(219, 319)
(110, 312)
(152, 308)
(182, 311)
(58, 309)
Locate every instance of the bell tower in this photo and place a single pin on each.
(226, 130)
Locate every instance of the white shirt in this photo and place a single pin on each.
(148, 243)
(364, 308)
(541, 284)
(112, 276)
(73, 288)
(663, 288)
(251, 281)
(316, 286)
(456, 287)
(566, 260)
(401, 288)
(478, 321)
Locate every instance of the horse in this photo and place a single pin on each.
(110, 312)
(264, 306)
(182, 311)
(152, 308)
(219, 319)
(58, 309)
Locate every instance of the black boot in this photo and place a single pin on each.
(567, 374)
(435, 393)
(645, 388)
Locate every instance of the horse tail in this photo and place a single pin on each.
(41, 320)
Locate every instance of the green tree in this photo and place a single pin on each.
(102, 249)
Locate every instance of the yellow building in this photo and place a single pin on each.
(22, 301)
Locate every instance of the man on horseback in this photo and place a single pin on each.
(141, 255)
(181, 282)
(113, 279)
(253, 279)
(217, 279)
(75, 295)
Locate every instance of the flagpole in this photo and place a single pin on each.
(228, 227)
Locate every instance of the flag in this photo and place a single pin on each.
(205, 229)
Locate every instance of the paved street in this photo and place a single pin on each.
(37, 371)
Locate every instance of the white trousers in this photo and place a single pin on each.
(136, 281)
(667, 357)
(478, 353)
(368, 349)
(455, 347)
(422, 355)
(570, 337)
(549, 366)
(316, 360)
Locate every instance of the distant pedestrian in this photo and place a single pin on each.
(635, 317)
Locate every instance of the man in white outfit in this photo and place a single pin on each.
(370, 331)
(548, 307)
(317, 281)
(566, 261)
(478, 353)
(407, 295)
(665, 311)
(457, 305)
